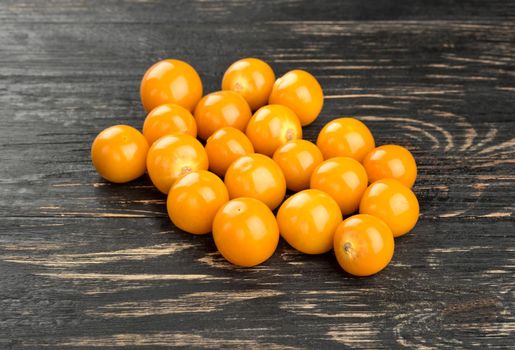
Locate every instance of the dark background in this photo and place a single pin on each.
(84, 263)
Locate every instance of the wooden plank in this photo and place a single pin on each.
(88, 264)
(243, 11)
(138, 281)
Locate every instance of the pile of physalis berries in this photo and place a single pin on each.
(259, 155)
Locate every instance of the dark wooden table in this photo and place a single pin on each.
(84, 263)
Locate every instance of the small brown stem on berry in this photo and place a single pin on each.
(185, 169)
(290, 134)
(237, 87)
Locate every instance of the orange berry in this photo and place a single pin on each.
(225, 146)
(119, 152)
(392, 202)
(342, 178)
(252, 78)
(245, 232)
(391, 162)
(271, 127)
(170, 81)
(363, 245)
(301, 92)
(256, 176)
(173, 156)
(307, 221)
(345, 137)
(168, 119)
(297, 159)
(194, 200)
(219, 109)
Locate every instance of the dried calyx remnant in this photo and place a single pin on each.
(185, 170)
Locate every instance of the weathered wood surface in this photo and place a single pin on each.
(86, 264)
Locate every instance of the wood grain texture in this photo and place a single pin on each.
(88, 264)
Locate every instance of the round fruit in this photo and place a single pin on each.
(345, 137)
(194, 200)
(363, 245)
(391, 162)
(173, 156)
(252, 78)
(224, 147)
(245, 232)
(168, 119)
(392, 202)
(301, 92)
(271, 127)
(342, 178)
(307, 221)
(119, 152)
(256, 176)
(297, 159)
(170, 81)
(219, 109)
